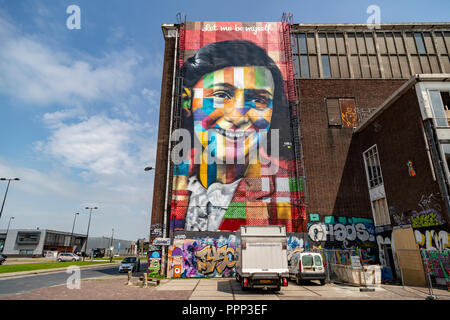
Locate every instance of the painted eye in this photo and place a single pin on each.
(222, 94)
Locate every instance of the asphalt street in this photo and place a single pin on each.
(27, 283)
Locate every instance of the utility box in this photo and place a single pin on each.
(262, 257)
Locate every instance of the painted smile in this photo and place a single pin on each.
(234, 134)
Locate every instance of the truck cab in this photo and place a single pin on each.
(262, 257)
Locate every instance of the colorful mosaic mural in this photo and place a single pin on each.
(240, 167)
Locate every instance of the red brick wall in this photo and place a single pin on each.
(334, 183)
(399, 137)
(160, 170)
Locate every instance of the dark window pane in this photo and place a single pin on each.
(311, 41)
(334, 112)
(419, 42)
(326, 66)
(296, 67)
(294, 43)
(302, 43)
(323, 43)
(304, 66)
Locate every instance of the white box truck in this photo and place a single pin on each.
(262, 257)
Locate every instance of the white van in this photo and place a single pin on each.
(306, 266)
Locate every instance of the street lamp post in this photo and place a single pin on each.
(7, 187)
(73, 226)
(110, 246)
(8, 225)
(87, 234)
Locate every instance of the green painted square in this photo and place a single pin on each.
(342, 219)
(293, 186)
(260, 77)
(329, 219)
(236, 210)
(300, 183)
(208, 80)
(314, 217)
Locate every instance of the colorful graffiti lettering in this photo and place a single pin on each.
(212, 259)
(427, 218)
(432, 239)
(347, 232)
(437, 262)
(294, 243)
(201, 257)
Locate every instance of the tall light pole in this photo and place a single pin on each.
(7, 187)
(73, 226)
(110, 246)
(87, 234)
(8, 225)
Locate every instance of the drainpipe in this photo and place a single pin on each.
(164, 249)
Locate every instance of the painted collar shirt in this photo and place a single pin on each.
(207, 207)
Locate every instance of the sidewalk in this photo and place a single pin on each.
(115, 288)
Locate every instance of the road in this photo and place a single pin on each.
(27, 283)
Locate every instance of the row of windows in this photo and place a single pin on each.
(369, 54)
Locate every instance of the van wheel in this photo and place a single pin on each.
(322, 282)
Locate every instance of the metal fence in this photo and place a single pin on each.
(338, 265)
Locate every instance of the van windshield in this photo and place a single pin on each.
(307, 260)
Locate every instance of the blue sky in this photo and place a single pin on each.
(79, 109)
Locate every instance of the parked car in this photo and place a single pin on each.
(130, 264)
(307, 266)
(66, 256)
(2, 258)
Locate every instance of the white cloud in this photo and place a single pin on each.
(33, 72)
(100, 145)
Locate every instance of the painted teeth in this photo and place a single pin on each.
(232, 134)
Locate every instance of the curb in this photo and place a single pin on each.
(53, 270)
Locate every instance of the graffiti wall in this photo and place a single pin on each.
(154, 263)
(437, 263)
(343, 232)
(234, 153)
(203, 257)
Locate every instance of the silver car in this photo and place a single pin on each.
(67, 257)
(130, 264)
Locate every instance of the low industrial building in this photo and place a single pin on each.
(39, 242)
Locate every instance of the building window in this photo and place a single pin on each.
(440, 103)
(304, 55)
(373, 168)
(28, 237)
(341, 112)
(419, 43)
(381, 212)
(26, 251)
(326, 69)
